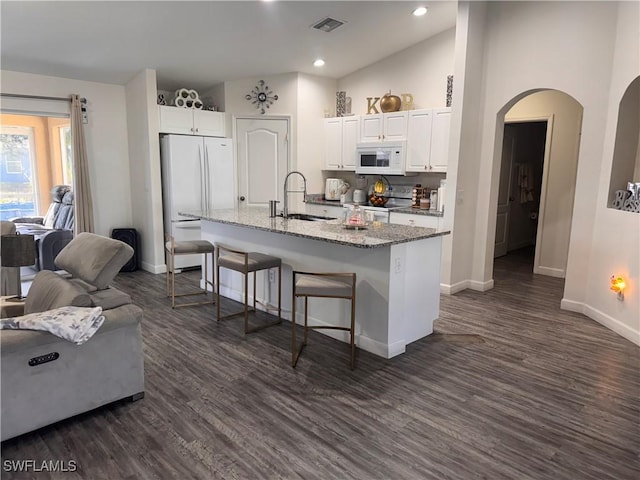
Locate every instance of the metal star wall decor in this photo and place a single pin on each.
(261, 96)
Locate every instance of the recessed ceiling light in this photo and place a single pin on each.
(418, 12)
(318, 63)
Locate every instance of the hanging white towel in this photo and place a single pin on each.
(525, 182)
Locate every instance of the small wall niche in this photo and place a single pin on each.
(625, 168)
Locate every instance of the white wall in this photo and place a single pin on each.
(557, 209)
(285, 86)
(557, 45)
(315, 96)
(106, 136)
(464, 168)
(616, 237)
(420, 70)
(144, 152)
(304, 98)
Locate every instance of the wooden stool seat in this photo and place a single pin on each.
(245, 263)
(188, 247)
(322, 285)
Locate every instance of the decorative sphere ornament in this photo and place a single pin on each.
(390, 103)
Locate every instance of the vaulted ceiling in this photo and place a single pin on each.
(207, 42)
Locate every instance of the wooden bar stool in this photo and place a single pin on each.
(245, 263)
(190, 247)
(323, 285)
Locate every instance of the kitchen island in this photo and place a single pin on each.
(397, 267)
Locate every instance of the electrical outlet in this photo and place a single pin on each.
(272, 276)
(397, 262)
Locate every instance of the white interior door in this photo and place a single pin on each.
(504, 193)
(263, 159)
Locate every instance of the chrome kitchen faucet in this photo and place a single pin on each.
(285, 198)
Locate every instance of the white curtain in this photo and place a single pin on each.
(81, 185)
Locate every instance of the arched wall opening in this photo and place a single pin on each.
(564, 119)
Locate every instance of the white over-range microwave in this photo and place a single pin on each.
(381, 158)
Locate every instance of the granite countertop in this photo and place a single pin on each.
(376, 235)
(318, 199)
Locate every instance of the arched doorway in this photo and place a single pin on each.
(536, 168)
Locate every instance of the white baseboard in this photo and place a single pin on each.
(602, 318)
(481, 286)
(155, 269)
(454, 288)
(551, 272)
(464, 284)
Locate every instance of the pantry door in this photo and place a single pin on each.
(263, 152)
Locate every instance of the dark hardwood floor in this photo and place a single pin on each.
(509, 387)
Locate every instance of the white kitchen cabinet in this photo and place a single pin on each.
(427, 221)
(381, 127)
(341, 136)
(428, 140)
(419, 140)
(188, 121)
(324, 210)
(440, 131)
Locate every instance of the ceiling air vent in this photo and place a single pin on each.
(328, 24)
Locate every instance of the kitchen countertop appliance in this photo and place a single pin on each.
(334, 187)
(360, 196)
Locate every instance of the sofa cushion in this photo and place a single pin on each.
(49, 290)
(109, 298)
(94, 259)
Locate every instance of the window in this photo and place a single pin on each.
(18, 189)
(66, 155)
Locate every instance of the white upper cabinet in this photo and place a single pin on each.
(419, 140)
(333, 143)
(382, 127)
(341, 134)
(440, 132)
(350, 137)
(188, 121)
(428, 140)
(395, 126)
(371, 128)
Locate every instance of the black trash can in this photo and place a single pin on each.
(130, 237)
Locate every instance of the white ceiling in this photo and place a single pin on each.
(201, 44)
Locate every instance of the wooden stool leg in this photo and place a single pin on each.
(293, 330)
(279, 293)
(255, 274)
(173, 281)
(217, 289)
(353, 332)
(306, 311)
(246, 302)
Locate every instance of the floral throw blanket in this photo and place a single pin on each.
(75, 324)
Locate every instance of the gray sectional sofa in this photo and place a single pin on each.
(45, 378)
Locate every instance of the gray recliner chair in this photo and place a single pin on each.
(53, 231)
(45, 379)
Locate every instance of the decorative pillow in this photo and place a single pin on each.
(94, 259)
(49, 290)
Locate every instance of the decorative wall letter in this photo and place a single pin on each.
(371, 107)
(407, 101)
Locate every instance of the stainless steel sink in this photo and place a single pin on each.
(308, 218)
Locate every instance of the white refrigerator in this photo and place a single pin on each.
(197, 175)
